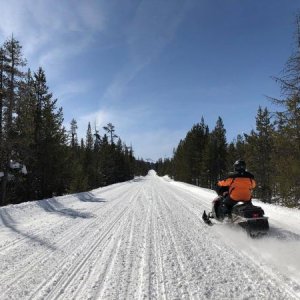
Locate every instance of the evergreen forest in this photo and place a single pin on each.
(271, 151)
(39, 157)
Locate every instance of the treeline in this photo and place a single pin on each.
(39, 157)
(272, 153)
(272, 150)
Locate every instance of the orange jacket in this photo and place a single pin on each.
(240, 185)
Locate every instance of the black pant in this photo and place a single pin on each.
(229, 204)
(223, 206)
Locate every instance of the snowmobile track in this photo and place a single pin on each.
(142, 239)
(69, 272)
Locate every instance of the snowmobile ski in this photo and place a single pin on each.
(206, 219)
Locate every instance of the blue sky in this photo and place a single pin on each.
(154, 68)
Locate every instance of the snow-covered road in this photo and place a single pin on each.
(143, 239)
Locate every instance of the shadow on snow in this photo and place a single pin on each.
(88, 197)
(53, 206)
(8, 221)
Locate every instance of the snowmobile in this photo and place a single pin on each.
(250, 217)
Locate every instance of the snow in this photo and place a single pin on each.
(143, 239)
(15, 165)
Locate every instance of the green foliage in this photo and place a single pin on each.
(33, 136)
(287, 151)
(259, 154)
(217, 153)
(11, 62)
(200, 158)
(141, 167)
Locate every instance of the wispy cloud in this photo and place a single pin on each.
(154, 26)
(97, 120)
(151, 30)
(69, 89)
(125, 119)
(147, 140)
(50, 31)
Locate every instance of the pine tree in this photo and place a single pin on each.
(110, 129)
(78, 179)
(287, 152)
(25, 124)
(2, 91)
(195, 143)
(82, 145)
(3, 62)
(236, 150)
(88, 164)
(182, 170)
(231, 155)
(49, 163)
(288, 128)
(204, 182)
(73, 134)
(107, 166)
(12, 62)
(189, 160)
(290, 81)
(217, 153)
(260, 145)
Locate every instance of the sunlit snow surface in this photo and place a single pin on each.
(143, 239)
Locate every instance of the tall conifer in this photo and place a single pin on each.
(12, 62)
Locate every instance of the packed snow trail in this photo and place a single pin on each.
(142, 239)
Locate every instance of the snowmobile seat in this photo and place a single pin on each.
(248, 210)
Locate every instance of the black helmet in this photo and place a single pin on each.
(239, 165)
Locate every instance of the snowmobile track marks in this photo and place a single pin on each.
(64, 242)
(90, 255)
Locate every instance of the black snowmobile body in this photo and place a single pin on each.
(250, 217)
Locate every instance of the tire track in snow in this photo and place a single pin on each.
(104, 263)
(134, 284)
(108, 284)
(149, 242)
(142, 265)
(44, 257)
(125, 258)
(99, 239)
(36, 231)
(161, 288)
(76, 267)
(173, 258)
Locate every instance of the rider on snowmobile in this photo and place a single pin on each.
(236, 187)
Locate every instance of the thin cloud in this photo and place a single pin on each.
(152, 29)
(97, 120)
(123, 119)
(154, 26)
(117, 88)
(50, 32)
(154, 143)
(67, 90)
